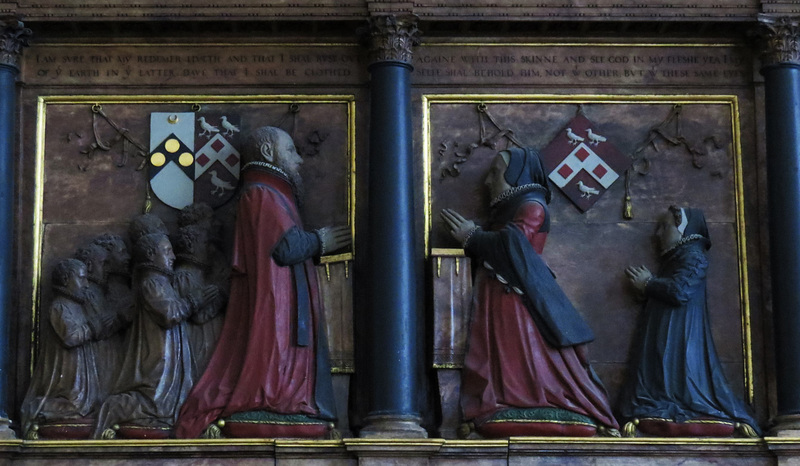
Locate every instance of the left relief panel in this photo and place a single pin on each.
(101, 161)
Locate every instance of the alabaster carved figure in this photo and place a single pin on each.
(101, 315)
(526, 370)
(219, 265)
(191, 282)
(65, 385)
(677, 385)
(156, 374)
(145, 224)
(118, 295)
(269, 374)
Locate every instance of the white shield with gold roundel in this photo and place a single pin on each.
(172, 159)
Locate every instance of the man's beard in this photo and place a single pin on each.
(298, 188)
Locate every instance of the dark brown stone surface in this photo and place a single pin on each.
(584, 63)
(672, 178)
(206, 10)
(185, 64)
(79, 189)
(470, 62)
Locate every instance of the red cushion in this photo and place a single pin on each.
(691, 428)
(67, 429)
(143, 432)
(269, 430)
(534, 429)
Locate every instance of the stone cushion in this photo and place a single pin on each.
(536, 422)
(133, 431)
(263, 424)
(691, 428)
(67, 429)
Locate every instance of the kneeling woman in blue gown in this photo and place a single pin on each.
(677, 387)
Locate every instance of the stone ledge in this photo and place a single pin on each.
(528, 450)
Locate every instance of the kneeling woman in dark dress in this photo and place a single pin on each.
(678, 388)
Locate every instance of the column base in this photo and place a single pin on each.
(388, 426)
(786, 425)
(6, 433)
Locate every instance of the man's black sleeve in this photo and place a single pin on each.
(295, 247)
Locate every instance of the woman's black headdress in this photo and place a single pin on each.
(525, 168)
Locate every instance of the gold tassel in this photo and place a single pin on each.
(745, 430)
(630, 428)
(148, 201)
(604, 431)
(212, 432)
(627, 213)
(33, 433)
(465, 429)
(333, 434)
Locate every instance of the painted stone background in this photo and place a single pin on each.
(589, 251)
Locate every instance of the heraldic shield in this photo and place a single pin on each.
(582, 162)
(193, 158)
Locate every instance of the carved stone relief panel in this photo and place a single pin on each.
(94, 176)
(684, 151)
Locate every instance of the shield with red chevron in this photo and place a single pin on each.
(582, 162)
(217, 163)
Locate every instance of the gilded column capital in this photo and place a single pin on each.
(391, 38)
(780, 39)
(13, 36)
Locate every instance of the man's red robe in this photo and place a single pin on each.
(257, 364)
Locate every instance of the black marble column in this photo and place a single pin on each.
(13, 36)
(781, 70)
(393, 280)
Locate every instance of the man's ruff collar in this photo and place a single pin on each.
(155, 268)
(268, 166)
(67, 294)
(125, 273)
(682, 241)
(102, 283)
(191, 259)
(516, 191)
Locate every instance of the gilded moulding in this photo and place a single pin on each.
(118, 444)
(467, 43)
(618, 444)
(193, 100)
(190, 44)
(731, 101)
(394, 447)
